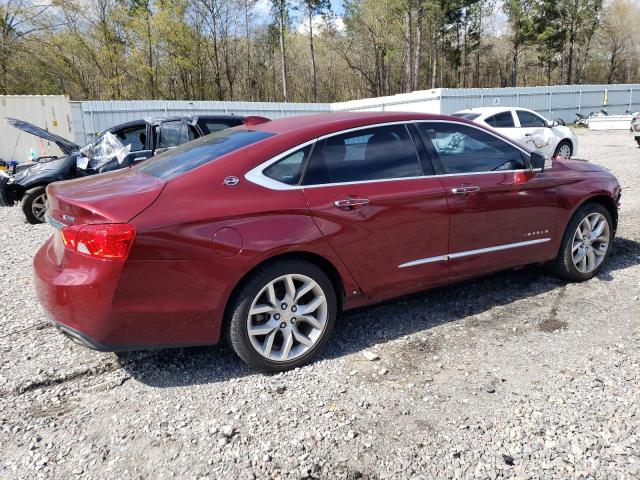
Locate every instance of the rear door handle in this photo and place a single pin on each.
(465, 190)
(351, 203)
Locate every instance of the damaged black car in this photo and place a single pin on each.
(121, 146)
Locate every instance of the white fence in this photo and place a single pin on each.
(90, 117)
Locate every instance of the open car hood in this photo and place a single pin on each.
(65, 145)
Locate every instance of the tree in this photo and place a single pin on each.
(521, 21)
(619, 36)
(19, 20)
(577, 16)
(281, 14)
(550, 35)
(312, 9)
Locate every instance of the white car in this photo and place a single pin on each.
(527, 128)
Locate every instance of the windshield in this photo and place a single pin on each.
(190, 155)
(466, 115)
(102, 150)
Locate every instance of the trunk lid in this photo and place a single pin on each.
(114, 197)
(67, 146)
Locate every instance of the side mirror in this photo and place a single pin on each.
(539, 161)
(552, 123)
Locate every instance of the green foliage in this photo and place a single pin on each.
(226, 49)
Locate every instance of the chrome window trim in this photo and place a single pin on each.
(256, 175)
(467, 253)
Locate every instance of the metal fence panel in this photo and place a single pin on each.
(553, 102)
(97, 116)
(91, 117)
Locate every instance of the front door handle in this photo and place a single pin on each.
(465, 190)
(351, 203)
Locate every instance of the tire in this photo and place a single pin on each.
(561, 146)
(638, 141)
(33, 205)
(564, 264)
(268, 351)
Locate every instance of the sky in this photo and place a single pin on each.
(263, 7)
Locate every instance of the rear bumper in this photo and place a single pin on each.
(76, 294)
(81, 338)
(116, 306)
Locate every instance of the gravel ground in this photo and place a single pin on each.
(518, 374)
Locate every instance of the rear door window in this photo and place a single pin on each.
(212, 126)
(201, 151)
(376, 153)
(173, 133)
(501, 120)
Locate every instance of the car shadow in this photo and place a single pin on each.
(362, 328)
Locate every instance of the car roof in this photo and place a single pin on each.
(313, 126)
(158, 119)
(485, 111)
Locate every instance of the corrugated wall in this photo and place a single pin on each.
(552, 102)
(91, 117)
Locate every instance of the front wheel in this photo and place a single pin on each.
(563, 150)
(586, 243)
(34, 205)
(282, 316)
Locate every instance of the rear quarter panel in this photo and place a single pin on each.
(199, 239)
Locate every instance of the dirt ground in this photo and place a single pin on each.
(518, 374)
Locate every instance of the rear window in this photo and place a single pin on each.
(212, 126)
(466, 116)
(191, 155)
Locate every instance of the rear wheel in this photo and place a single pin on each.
(638, 141)
(563, 150)
(282, 316)
(34, 204)
(586, 243)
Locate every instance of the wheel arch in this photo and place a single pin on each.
(569, 141)
(321, 262)
(607, 202)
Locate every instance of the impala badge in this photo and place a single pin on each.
(231, 181)
(536, 233)
(68, 218)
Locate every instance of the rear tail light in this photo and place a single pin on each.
(108, 241)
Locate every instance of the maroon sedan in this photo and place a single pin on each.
(265, 233)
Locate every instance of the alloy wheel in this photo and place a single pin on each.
(39, 206)
(287, 317)
(564, 151)
(590, 242)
